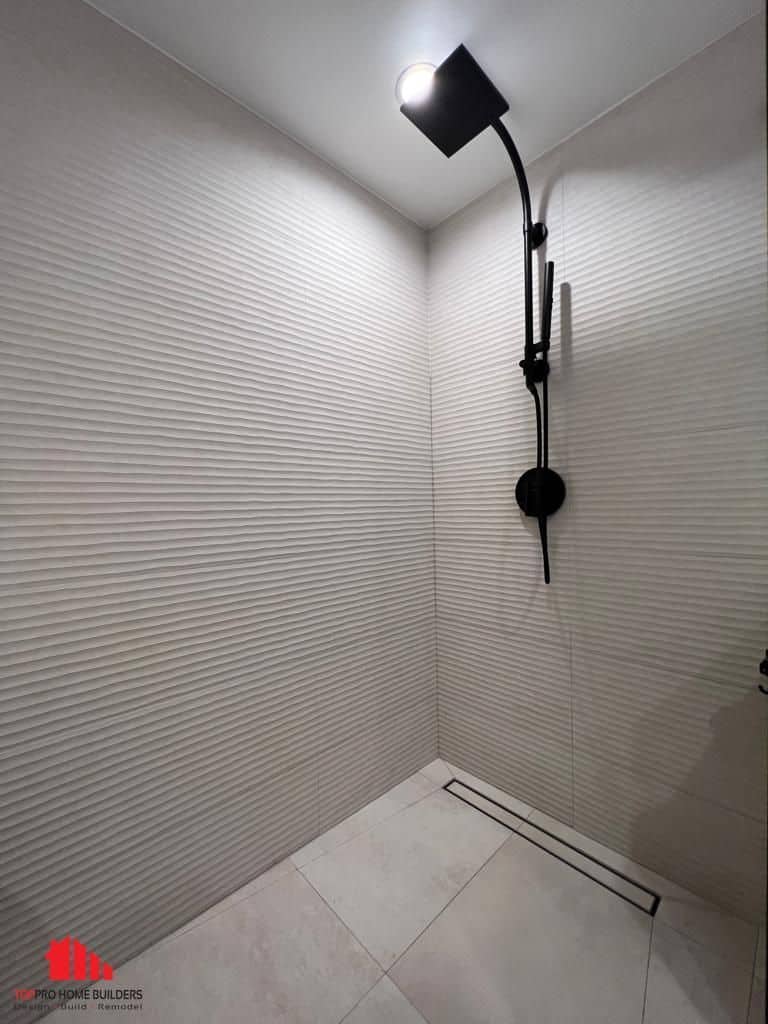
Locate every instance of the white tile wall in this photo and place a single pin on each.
(623, 697)
(219, 629)
(219, 633)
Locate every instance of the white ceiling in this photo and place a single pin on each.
(324, 71)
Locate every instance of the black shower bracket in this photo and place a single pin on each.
(540, 491)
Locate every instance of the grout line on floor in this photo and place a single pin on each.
(409, 1001)
(357, 938)
(716, 949)
(352, 933)
(450, 901)
(647, 969)
(183, 930)
(362, 997)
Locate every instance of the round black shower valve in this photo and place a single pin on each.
(540, 492)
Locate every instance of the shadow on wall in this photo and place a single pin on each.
(729, 773)
(733, 762)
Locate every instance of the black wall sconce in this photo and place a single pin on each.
(451, 104)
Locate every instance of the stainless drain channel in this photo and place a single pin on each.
(621, 885)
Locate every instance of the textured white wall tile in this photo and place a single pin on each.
(639, 661)
(679, 729)
(696, 843)
(218, 636)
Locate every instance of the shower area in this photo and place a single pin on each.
(297, 727)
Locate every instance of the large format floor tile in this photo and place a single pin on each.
(279, 956)
(530, 941)
(688, 914)
(384, 1004)
(488, 928)
(690, 984)
(390, 882)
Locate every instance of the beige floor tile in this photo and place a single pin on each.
(389, 883)
(528, 941)
(679, 909)
(384, 1004)
(280, 955)
(572, 855)
(690, 984)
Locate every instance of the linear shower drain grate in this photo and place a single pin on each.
(621, 885)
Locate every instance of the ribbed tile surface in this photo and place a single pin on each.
(623, 696)
(218, 618)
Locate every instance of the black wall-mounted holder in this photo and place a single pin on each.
(463, 102)
(540, 491)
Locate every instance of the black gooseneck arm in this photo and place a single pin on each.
(539, 491)
(528, 232)
(528, 239)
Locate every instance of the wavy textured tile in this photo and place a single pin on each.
(622, 698)
(218, 605)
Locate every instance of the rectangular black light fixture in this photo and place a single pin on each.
(462, 102)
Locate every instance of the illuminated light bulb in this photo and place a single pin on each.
(415, 83)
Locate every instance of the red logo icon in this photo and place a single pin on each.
(70, 960)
